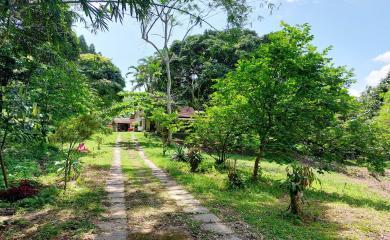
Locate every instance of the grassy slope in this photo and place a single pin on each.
(340, 207)
(54, 214)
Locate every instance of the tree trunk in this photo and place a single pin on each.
(2, 163)
(295, 203)
(3, 169)
(257, 162)
(67, 166)
(169, 86)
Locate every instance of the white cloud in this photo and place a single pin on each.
(354, 92)
(385, 57)
(374, 78)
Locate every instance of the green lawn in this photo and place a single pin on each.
(341, 207)
(55, 215)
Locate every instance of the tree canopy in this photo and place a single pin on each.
(287, 91)
(104, 77)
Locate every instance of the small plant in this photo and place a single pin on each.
(99, 140)
(146, 134)
(180, 154)
(299, 178)
(234, 179)
(165, 143)
(194, 158)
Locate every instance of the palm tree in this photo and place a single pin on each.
(147, 74)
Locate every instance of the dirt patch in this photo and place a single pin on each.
(167, 234)
(358, 223)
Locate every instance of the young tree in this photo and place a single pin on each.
(69, 133)
(167, 124)
(286, 91)
(16, 121)
(218, 132)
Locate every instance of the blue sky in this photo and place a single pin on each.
(358, 30)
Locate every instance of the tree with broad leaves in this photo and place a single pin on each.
(287, 91)
(103, 76)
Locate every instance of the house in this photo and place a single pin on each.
(186, 113)
(122, 124)
(141, 123)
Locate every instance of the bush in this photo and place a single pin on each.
(24, 190)
(234, 179)
(180, 154)
(46, 195)
(194, 158)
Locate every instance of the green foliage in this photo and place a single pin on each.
(287, 91)
(374, 97)
(46, 195)
(84, 48)
(167, 123)
(99, 140)
(180, 154)
(210, 56)
(235, 180)
(299, 178)
(103, 76)
(132, 102)
(194, 158)
(147, 74)
(219, 132)
(71, 132)
(98, 15)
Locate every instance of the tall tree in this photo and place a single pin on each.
(206, 57)
(104, 77)
(147, 74)
(161, 21)
(23, 33)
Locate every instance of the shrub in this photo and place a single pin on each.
(46, 195)
(23, 190)
(180, 154)
(234, 179)
(194, 158)
(99, 140)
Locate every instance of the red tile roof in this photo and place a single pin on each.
(186, 112)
